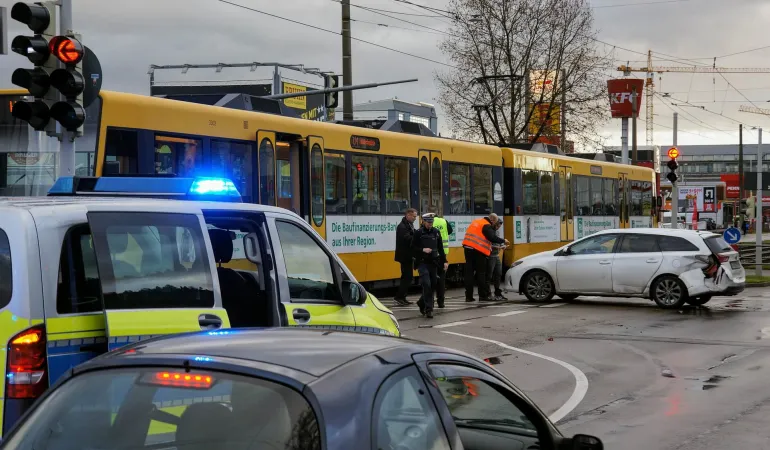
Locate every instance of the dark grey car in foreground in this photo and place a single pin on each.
(286, 389)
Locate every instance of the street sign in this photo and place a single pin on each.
(732, 235)
(709, 199)
(673, 153)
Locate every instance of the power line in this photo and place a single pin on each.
(402, 20)
(638, 4)
(394, 26)
(338, 34)
(429, 8)
(392, 12)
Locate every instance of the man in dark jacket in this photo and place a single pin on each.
(404, 233)
(429, 254)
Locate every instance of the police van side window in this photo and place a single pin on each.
(6, 274)
(149, 260)
(78, 288)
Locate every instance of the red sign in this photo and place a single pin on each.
(621, 93)
(732, 188)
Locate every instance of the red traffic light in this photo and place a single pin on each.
(673, 153)
(68, 50)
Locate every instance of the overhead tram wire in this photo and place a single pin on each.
(639, 4)
(338, 34)
(402, 20)
(666, 101)
(385, 25)
(392, 12)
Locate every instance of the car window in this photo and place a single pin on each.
(475, 403)
(149, 260)
(603, 243)
(676, 244)
(404, 417)
(78, 289)
(6, 274)
(639, 243)
(308, 266)
(165, 408)
(717, 244)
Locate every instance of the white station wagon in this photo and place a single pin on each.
(671, 267)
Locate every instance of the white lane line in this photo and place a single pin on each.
(451, 324)
(553, 305)
(509, 313)
(581, 381)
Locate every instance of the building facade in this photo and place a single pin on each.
(395, 109)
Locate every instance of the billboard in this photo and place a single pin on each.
(294, 102)
(541, 117)
(732, 188)
(621, 93)
(542, 84)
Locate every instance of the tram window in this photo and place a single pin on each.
(266, 173)
(336, 184)
(482, 190)
(424, 183)
(233, 160)
(435, 188)
(123, 146)
(597, 203)
(177, 155)
(529, 190)
(636, 198)
(547, 193)
(646, 198)
(459, 189)
(317, 184)
(610, 204)
(583, 197)
(396, 185)
(366, 184)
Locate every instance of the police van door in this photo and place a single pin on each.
(156, 271)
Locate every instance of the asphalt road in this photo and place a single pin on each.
(634, 375)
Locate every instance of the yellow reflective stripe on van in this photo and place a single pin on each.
(10, 325)
(159, 321)
(75, 327)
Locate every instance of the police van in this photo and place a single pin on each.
(96, 265)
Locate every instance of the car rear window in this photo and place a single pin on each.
(675, 244)
(6, 274)
(717, 244)
(164, 408)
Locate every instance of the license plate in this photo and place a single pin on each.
(735, 264)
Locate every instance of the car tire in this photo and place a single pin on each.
(669, 292)
(538, 286)
(568, 297)
(699, 300)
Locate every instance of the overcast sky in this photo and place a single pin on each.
(128, 36)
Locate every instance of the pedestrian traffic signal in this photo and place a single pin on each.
(331, 82)
(41, 19)
(672, 166)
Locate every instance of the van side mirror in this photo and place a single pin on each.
(251, 248)
(585, 442)
(353, 293)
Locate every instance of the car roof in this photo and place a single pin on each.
(312, 351)
(662, 231)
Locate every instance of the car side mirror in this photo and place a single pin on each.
(353, 293)
(585, 442)
(251, 248)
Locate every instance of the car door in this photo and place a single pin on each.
(586, 266)
(155, 271)
(486, 410)
(309, 280)
(636, 261)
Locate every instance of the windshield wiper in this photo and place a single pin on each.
(511, 422)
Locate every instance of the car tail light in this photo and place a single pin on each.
(723, 258)
(180, 379)
(27, 375)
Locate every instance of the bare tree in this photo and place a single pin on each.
(496, 45)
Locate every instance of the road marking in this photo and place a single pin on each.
(581, 381)
(451, 324)
(509, 313)
(553, 305)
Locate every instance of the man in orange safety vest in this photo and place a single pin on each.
(477, 244)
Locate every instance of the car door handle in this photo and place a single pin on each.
(605, 262)
(653, 260)
(301, 315)
(209, 322)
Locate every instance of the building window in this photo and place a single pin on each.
(366, 184)
(396, 185)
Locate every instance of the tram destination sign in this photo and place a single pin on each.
(364, 143)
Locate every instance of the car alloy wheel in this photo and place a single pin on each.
(669, 293)
(539, 287)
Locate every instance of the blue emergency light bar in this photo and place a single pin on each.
(200, 188)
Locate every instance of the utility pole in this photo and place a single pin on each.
(66, 139)
(674, 188)
(634, 156)
(347, 62)
(759, 205)
(740, 174)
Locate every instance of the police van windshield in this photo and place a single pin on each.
(149, 260)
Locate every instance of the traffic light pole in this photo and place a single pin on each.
(66, 138)
(675, 188)
(759, 206)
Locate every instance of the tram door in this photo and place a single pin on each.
(625, 200)
(566, 205)
(266, 167)
(430, 182)
(315, 145)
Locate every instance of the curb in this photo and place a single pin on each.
(758, 285)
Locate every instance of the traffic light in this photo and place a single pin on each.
(69, 81)
(41, 19)
(672, 165)
(331, 82)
